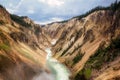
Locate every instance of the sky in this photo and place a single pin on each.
(47, 11)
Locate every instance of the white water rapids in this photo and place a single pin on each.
(58, 70)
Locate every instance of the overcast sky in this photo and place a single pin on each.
(46, 11)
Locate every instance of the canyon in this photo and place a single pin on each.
(88, 45)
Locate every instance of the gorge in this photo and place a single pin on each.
(85, 47)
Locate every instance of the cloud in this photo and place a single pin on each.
(14, 8)
(52, 3)
(10, 10)
(10, 5)
(19, 4)
(47, 11)
(54, 19)
(30, 11)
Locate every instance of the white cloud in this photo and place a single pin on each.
(10, 5)
(30, 11)
(52, 3)
(10, 10)
(55, 2)
(13, 9)
(19, 4)
(54, 19)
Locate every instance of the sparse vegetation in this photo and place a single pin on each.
(102, 56)
(4, 38)
(64, 52)
(38, 31)
(85, 74)
(79, 77)
(19, 20)
(4, 47)
(19, 36)
(77, 58)
(1, 6)
(76, 48)
(105, 55)
(91, 11)
(63, 21)
(58, 49)
(89, 36)
(78, 34)
(114, 6)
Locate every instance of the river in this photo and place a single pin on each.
(58, 70)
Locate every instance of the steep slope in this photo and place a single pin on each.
(79, 38)
(22, 54)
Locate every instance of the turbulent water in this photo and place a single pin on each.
(58, 70)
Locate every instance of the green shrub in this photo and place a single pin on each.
(102, 55)
(5, 42)
(20, 20)
(4, 47)
(114, 6)
(87, 73)
(105, 55)
(80, 77)
(84, 74)
(77, 58)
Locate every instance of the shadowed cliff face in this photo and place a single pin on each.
(88, 45)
